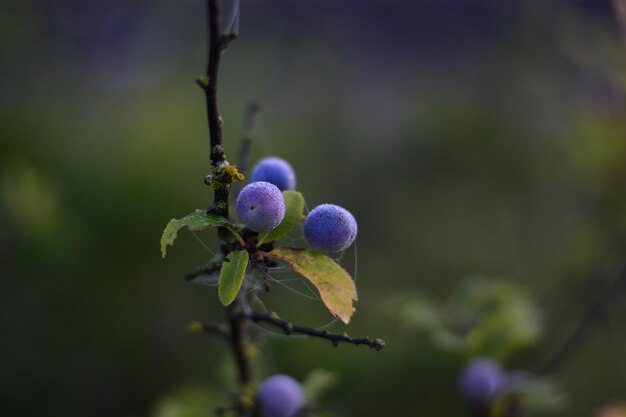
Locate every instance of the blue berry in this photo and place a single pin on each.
(330, 228)
(481, 381)
(261, 206)
(281, 396)
(276, 171)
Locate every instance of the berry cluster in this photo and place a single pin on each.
(261, 207)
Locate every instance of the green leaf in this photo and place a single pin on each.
(541, 395)
(334, 283)
(415, 311)
(189, 400)
(231, 276)
(294, 206)
(502, 318)
(196, 221)
(317, 382)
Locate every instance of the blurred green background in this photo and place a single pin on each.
(479, 144)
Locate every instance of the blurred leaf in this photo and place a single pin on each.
(231, 276)
(481, 318)
(30, 197)
(334, 283)
(415, 312)
(196, 221)
(193, 400)
(494, 318)
(448, 340)
(317, 382)
(294, 206)
(599, 149)
(504, 332)
(540, 396)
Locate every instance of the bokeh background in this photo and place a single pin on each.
(481, 146)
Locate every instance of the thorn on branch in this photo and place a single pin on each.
(290, 328)
(203, 82)
(225, 40)
(203, 270)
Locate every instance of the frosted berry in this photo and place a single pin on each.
(481, 381)
(261, 206)
(330, 228)
(276, 171)
(280, 396)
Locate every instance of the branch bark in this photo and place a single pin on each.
(217, 43)
(290, 328)
(210, 90)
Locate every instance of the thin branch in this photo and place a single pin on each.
(219, 329)
(210, 90)
(217, 43)
(239, 341)
(203, 270)
(290, 328)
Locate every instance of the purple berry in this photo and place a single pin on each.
(261, 206)
(281, 396)
(481, 381)
(330, 228)
(276, 171)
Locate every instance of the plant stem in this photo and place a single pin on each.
(239, 342)
(215, 53)
(237, 326)
(289, 328)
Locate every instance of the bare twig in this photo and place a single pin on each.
(290, 328)
(239, 341)
(219, 329)
(217, 43)
(210, 87)
(203, 270)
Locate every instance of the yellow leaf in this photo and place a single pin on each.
(334, 283)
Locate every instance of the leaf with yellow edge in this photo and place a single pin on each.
(334, 283)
